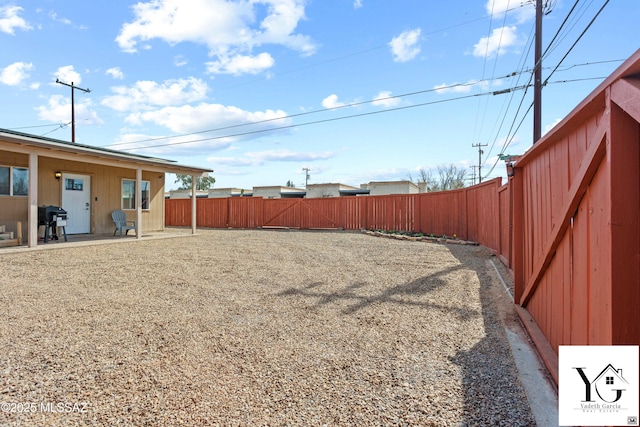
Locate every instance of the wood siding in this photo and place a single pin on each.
(576, 234)
(470, 213)
(105, 193)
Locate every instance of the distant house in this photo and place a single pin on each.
(216, 193)
(278, 192)
(186, 194)
(88, 182)
(381, 188)
(333, 190)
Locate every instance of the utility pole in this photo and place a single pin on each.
(480, 153)
(473, 174)
(306, 177)
(73, 118)
(537, 76)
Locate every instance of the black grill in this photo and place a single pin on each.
(52, 217)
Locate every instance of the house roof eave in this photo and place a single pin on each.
(53, 145)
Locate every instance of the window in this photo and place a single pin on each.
(73, 184)
(14, 181)
(146, 191)
(609, 380)
(5, 183)
(129, 194)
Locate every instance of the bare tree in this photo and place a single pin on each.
(448, 178)
(451, 177)
(425, 177)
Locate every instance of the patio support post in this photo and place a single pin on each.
(32, 214)
(138, 203)
(193, 204)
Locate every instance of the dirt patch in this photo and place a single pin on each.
(248, 327)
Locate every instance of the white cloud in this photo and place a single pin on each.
(180, 61)
(68, 75)
(10, 21)
(144, 95)
(54, 16)
(468, 86)
(523, 11)
(456, 87)
(241, 64)
(58, 110)
(16, 73)
(405, 47)
(115, 72)
(357, 4)
(548, 127)
(385, 99)
(187, 118)
(228, 29)
(178, 144)
(259, 158)
(497, 43)
(331, 101)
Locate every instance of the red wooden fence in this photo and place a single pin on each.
(471, 213)
(576, 239)
(566, 224)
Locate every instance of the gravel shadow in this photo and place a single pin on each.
(493, 394)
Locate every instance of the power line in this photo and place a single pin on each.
(38, 126)
(523, 59)
(406, 107)
(495, 64)
(349, 55)
(61, 126)
(547, 51)
(509, 140)
(566, 18)
(354, 104)
(578, 39)
(312, 123)
(295, 125)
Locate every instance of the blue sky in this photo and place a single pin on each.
(354, 90)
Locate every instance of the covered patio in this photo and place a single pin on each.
(87, 182)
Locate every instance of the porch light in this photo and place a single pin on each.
(58, 175)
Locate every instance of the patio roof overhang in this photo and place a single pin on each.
(38, 146)
(29, 144)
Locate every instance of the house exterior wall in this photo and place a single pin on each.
(315, 191)
(267, 192)
(277, 192)
(12, 207)
(106, 188)
(226, 192)
(43, 157)
(185, 194)
(106, 192)
(392, 187)
(319, 191)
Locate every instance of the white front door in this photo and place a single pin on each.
(76, 200)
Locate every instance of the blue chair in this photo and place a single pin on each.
(120, 220)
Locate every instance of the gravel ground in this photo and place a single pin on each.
(256, 327)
